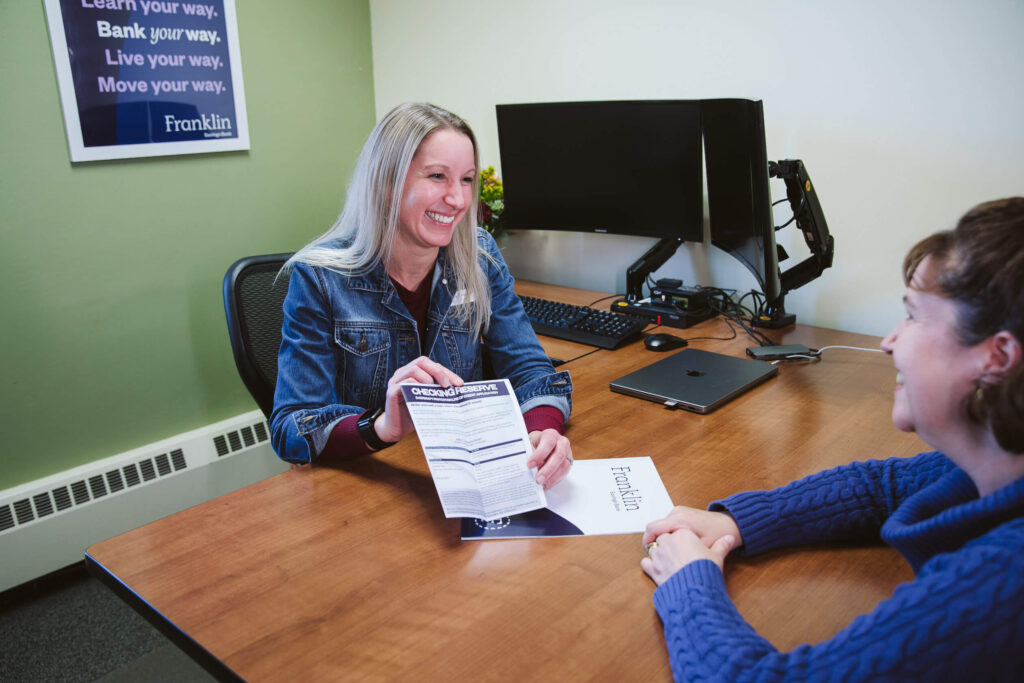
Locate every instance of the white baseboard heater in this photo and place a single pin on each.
(47, 524)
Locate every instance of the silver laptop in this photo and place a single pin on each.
(695, 380)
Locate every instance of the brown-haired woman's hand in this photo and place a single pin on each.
(706, 525)
(669, 553)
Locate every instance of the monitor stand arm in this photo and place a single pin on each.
(810, 219)
(653, 259)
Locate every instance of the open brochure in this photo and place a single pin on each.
(476, 445)
(605, 496)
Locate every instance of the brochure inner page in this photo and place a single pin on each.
(476, 445)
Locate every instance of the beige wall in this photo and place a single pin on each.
(905, 113)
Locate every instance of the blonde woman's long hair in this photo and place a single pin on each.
(369, 222)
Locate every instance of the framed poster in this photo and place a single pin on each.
(142, 78)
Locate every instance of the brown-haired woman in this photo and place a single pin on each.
(956, 514)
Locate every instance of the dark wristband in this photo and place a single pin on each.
(369, 434)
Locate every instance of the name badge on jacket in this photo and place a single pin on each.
(459, 298)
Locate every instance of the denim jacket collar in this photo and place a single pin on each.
(377, 280)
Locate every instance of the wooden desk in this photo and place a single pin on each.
(352, 572)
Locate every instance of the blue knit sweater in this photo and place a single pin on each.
(960, 619)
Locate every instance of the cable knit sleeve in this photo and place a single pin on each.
(959, 620)
(849, 503)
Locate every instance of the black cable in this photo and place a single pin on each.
(732, 336)
(605, 298)
(760, 310)
(757, 335)
(795, 212)
(780, 227)
(733, 312)
(582, 355)
(756, 296)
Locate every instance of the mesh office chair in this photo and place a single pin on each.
(252, 303)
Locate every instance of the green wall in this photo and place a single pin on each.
(110, 287)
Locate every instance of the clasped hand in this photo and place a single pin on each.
(551, 454)
(687, 535)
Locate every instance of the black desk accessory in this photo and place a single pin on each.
(670, 304)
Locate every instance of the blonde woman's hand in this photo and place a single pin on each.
(552, 455)
(396, 421)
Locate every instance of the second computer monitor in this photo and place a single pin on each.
(739, 196)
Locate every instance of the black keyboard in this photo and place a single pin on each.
(581, 324)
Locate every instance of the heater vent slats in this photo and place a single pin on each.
(114, 481)
(62, 497)
(80, 492)
(114, 478)
(43, 505)
(178, 460)
(6, 518)
(97, 486)
(131, 474)
(23, 511)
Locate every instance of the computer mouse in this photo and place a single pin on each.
(662, 341)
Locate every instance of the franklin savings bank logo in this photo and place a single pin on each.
(492, 524)
(211, 125)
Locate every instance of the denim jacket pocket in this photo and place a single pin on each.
(363, 365)
(462, 348)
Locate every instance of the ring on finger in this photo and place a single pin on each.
(651, 546)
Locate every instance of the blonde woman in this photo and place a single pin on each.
(406, 288)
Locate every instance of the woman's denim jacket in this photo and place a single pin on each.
(343, 338)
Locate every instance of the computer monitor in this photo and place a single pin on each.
(625, 168)
(739, 197)
(740, 204)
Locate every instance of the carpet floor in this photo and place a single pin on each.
(67, 627)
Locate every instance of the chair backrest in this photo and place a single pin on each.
(253, 298)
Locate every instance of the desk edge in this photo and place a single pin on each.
(197, 652)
